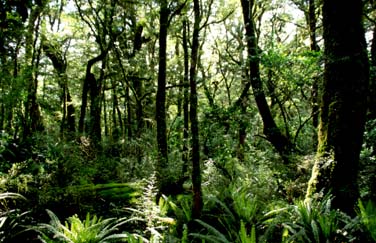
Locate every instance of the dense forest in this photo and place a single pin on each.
(187, 121)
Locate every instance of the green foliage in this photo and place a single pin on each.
(152, 215)
(367, 214)
(244, 236)
(214, 235)
(91, 229)
(367, 174)
(233, 216)
(65, 172)
(12, 221)
(311, 221)
(246, 205)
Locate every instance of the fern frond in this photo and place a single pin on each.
(215, 236)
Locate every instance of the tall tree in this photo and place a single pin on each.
(185, 98)
(99, 18)
(271, 130)
(344, 103)
(160, 108)
(196, 171)
(33, 119)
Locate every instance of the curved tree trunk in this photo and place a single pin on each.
(344, 103)
(271, 131)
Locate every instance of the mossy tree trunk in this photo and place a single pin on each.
(344, 102)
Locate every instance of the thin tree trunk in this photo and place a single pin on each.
(185, 99)
(117, 130)
(372, 99)
(105, 122)
(312, 22)
(196, 170)
(129, 114)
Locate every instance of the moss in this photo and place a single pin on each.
(321, 176)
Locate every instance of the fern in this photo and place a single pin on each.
(367, 214)
(213, 236)
(92, 229)
(244, 237)
(11, 220)
(311, 221)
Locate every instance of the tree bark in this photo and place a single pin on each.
(271, 131)
(185, 99)
(196, 170)
(344, 102)
(160, 109)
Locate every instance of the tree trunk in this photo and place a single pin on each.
(312, 23)
(160, 109)
(185, 99)
(372, 100)
(344, 102)
(271, 131)
(33, 118)
(95, 110)
(196, 170)
(129, 117)
(60, 66)
(93, 86)
(85, 91)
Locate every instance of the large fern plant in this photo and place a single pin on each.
(91, 230)
(312, 221)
